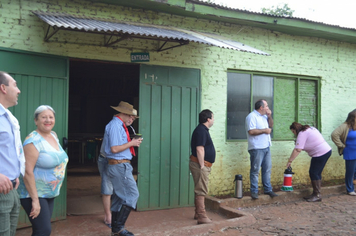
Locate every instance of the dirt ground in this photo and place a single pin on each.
(83, 185)
(335, 215)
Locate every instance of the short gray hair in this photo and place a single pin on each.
(3, 79)
(43, 108)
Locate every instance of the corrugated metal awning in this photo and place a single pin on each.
(118, 31)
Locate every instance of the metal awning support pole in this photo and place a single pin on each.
(108, 43)
(180, 44)
(49, 35)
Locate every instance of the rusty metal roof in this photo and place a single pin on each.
(129, 29)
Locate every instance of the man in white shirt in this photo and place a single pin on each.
(10, 153)
(258, 126)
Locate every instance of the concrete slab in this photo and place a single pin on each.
(247, 201)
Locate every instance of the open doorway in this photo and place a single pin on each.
(94, 86)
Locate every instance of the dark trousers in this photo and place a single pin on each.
(350, 166)
(317, 165)
(41, 225)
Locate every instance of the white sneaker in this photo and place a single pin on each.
(352, 193)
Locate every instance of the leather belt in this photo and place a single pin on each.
(13, 183)
(195, 159)
(114, 161)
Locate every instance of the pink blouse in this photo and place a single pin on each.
(312, 142)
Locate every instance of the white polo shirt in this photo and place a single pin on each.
(257, 121)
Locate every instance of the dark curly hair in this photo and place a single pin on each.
(298, 127)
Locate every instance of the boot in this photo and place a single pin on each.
(118, 220)
(314, 191)
(195, 204)
(200, 205)
(317, 196)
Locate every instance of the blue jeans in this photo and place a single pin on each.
(125, 187)
(260, 158)
(106, 185)
(350, 166)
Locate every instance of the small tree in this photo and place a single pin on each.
(285, 11)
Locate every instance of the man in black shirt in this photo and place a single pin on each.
(201, 160)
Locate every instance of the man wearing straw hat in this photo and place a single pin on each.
(106, 185)
(119, 149)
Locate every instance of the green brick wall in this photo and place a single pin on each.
(332, 61)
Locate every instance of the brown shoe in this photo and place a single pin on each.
(308, 197)
(202, 217)
(316, 198)
(317, 189)
(314, 191)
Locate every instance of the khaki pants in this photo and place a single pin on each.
(200, 177)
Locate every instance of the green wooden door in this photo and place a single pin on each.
(43, 80)
(169, 107)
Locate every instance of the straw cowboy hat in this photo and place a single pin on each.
(126, 108)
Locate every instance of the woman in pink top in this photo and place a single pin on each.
(310, 140)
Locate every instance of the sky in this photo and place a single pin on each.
(334, 12)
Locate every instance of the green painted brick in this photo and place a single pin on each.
(333, 62)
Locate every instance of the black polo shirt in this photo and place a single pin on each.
(201, 137)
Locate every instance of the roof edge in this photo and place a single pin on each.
(215, 12)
